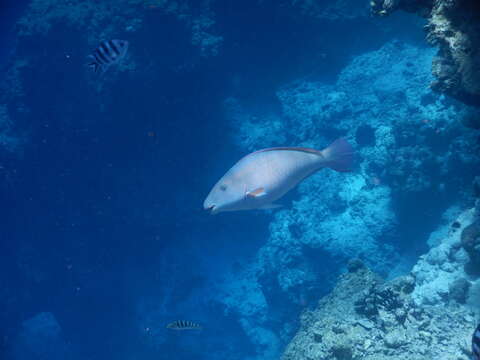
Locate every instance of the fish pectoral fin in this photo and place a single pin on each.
(270, 206)
(257, 193)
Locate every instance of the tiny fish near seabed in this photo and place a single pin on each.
(476, 344)
(184, 325)
(262, 177)
(106, 54)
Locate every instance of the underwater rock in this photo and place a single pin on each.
(398, 329)
(470, 240)
(458, 290)
(436, 272)
(454, 27)
(355, 265)
(40, 338)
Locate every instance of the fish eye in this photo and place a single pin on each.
(223, 187)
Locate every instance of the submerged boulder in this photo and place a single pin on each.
(471, 243)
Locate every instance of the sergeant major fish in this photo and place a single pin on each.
(262, 177)
(184, 325)
(476, 344)
(107, 53)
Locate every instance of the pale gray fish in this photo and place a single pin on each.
(184, 325)
(262, 177)
(106, 54)
(476, 344)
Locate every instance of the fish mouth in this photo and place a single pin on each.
(212, 209)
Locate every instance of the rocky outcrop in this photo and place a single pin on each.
(470, 240)
(417, 316)
(454, 27)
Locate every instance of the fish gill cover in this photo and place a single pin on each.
(102, 178)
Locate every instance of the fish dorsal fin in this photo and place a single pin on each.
(286, 148)
(257, 193)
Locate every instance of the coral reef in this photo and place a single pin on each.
(419, 316)
(409, 142)
(394, 327)
(439, 274)
(453, 26)
(382, 103)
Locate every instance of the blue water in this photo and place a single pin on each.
(102, 219)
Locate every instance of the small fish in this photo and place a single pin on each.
(262, 177)
(107, 53)
(184, 325)
(476, 344)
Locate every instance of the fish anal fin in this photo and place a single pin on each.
(257, 193)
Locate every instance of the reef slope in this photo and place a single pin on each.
(365, 317)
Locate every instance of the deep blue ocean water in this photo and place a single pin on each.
(102, 216)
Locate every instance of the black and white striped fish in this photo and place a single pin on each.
(476, 344)
(107, 53)
(184, 325)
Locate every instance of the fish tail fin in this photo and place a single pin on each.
(339, 156)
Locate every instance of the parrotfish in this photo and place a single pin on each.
(264, 176)
(476, 344)
(184, 325)
(107, 53)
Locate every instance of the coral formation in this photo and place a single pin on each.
(408, 139)
(368, 318)
(453, 26)
(397, 329)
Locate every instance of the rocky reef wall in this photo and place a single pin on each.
(454, 27)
